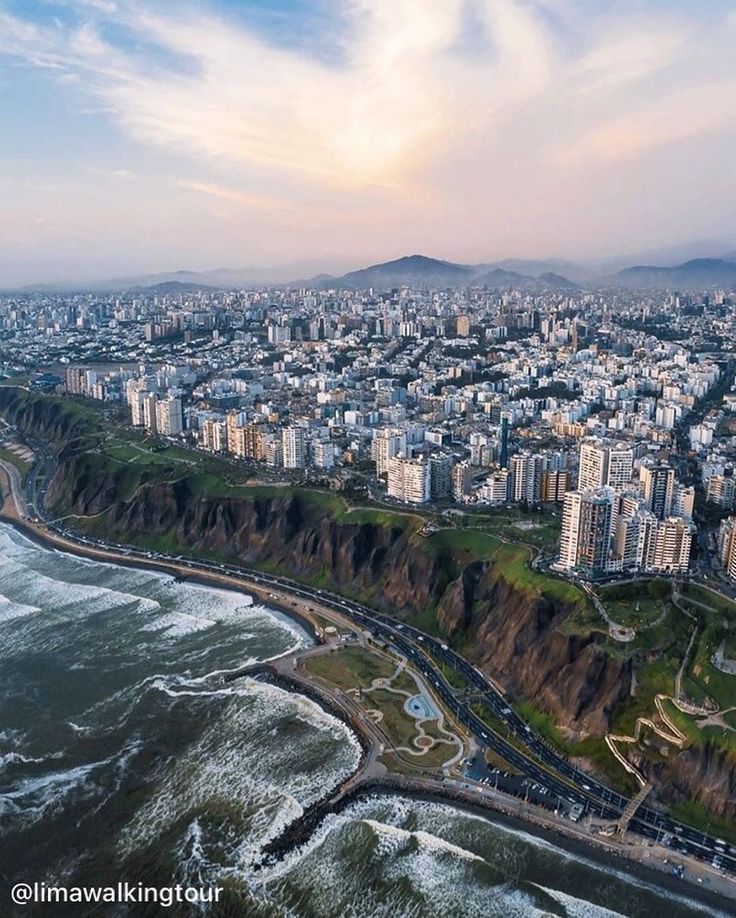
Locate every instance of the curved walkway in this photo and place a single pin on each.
(421, 748)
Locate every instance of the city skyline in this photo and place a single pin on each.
(323, 137)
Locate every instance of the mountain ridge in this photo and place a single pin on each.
(424, 271)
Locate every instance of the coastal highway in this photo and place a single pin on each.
(528, 752)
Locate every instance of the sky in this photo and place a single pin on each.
(305, 135)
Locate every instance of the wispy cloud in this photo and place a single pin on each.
(402, 93)
(257, 201)
(426, 108)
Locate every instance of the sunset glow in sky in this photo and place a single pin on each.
(139, 135)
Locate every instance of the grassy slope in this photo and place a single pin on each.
(108, 446)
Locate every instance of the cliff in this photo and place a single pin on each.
(507, 625)
(509, 632)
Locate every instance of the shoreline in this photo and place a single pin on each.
(181, 574)
(495, 811)
(498, 812)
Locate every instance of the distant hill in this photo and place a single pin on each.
(530, 275)
(173, 287)
(691, 275)
(422, 271)
(416, 270)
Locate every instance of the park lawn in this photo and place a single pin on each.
(638, 613)
(350, 667)
(671, 634)
(465, 545)
(398, 726)
(538, 528)
(404, 682)
(714, 600)
(584, 620)
(657, 677)
(718, 685)
(379, 517)
(511, 561)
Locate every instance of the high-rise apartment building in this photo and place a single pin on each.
(75, 380)
(721, 490)
(294, 447)
(727, 546)
(440, 476)
(409, 479)
(668, 551)
(658, 486)
(683, 501)
(148, 401)
(169, 416)
(323, 454)
(463, 326)
(605, 464)
(495, 489)
(214, 435)
(387, 443)
(633, 533)
(555, 483)
(587, 520)
(526, 470)
(462, 476)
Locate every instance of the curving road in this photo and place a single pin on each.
(529, 753)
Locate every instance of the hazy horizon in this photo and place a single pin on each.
(278, 134)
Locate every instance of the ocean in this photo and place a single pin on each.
(125, 756)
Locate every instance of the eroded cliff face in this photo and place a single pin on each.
(705, 773)
(516, 638)
(511, 634)
(39, 417)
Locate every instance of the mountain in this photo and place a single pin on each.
(415, 270)
(173, 287)
(535, 267)
(695, 274)
(554, 281)
(421, 271)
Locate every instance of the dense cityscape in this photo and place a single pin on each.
(617, 407)
(367, 459)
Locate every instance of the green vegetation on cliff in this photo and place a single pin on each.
(538, 635)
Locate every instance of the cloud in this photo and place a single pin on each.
(401, 93)
(436, 120)
(691, 112)
(253, 201)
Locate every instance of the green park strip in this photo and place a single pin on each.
(381, 688)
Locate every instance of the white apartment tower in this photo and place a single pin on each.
(605, 464)
(323, 454)
(409, 480)
(387, 443)
(294, 447)
(169, 416)
(669, 546)
(727, 546)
